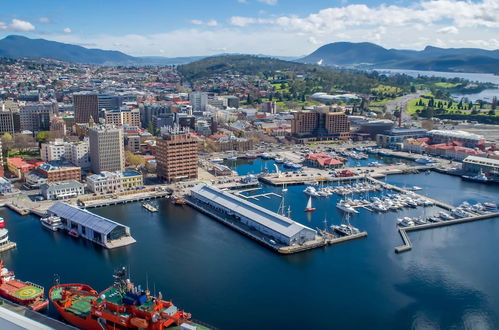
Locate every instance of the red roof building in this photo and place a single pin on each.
(322, 160)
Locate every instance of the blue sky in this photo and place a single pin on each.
(273, 27)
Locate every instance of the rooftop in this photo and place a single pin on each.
(264, 217)
(456, 134)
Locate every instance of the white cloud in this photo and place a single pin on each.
(44, 20)
(245, 21)
(268, 2)
(448, 30)
(210, 22)
(67, 30)
(17, 25)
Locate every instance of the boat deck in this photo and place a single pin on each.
(21, 291)
(80, 305)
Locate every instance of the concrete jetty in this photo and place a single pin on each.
(407, 242)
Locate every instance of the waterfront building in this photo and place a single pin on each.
(395, 137)
(86, 105)
(123, 116)
(5, 186)
(112, 182)
(322, 160)
(374, 127)
(106, 149)
(467, 139)
(93, 227)
(272, 225)
(62, 190)
(36, 117)
(474, 164)
(228, 143)
(221, 170)
(320, 125)
(177, 156)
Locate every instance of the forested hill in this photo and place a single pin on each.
(314, 76)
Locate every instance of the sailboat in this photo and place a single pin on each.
(309, 205)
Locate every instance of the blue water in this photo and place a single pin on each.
(448, 280)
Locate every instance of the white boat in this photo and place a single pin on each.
(311, 191)
(480, 177)
(460, 213)
(406, 222)
(445, 215)
(345, 207)
(279, 160)
(232, 158)
(309, 207)
(53, 223)
(489, 206)
(424, 160)
(217, 160)
(284, 188)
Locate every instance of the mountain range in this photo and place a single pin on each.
(369, 55)
(339, 54)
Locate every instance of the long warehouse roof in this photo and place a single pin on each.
(264, 217)
(83, 217)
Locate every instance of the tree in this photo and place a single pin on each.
(24, 142)
(133, 159)
(7, 141)
(42, 136)
(494, 103)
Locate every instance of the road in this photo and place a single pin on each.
(401, 102)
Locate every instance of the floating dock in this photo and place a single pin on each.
(407, 246)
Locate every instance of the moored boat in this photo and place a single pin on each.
(23, 293)
(52, 223)
(121, 306)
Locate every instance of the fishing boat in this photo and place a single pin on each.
(120, 306)
(23, 293)
(309, 205)
(53, 223)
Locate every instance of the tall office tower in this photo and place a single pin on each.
(107, 152)
(86, 105)
(177, 156)
(109, 102)
(36, 117)
(199, 100)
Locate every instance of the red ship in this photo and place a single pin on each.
(121, 306)
(22, 293)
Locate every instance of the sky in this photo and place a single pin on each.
(174, 28)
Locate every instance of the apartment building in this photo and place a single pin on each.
(177, 156)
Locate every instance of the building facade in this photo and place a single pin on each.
(106, 149)
(62, 190)
(320, 125)
(36, 117)
(113, 182)
(86, 105)
(123, 116)
(177, 156)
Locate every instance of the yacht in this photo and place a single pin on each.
(489, 206)
(406, 222)
(345, 230)
(345, 207)
(265, 156)
(311, 191)
(424, 160)
(232, 158)
(279, 160)
(460, 213)
(445, 215)
(53, 223)
(217, 160)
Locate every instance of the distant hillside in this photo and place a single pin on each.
(368, 55)
(18, 46)
(237, 64)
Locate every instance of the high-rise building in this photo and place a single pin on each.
(199, 100)
(36, 117)
(109, 102)
(123, 116)
(177, 156)
(86, 105)
(320, 124)
(10, 122)
(106, 149)
(268, 107)
(75, 152)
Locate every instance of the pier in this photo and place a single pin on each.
(407, 246)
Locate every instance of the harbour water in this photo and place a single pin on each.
(448, 280)
(485, 95)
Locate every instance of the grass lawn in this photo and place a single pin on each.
(25, 155)
(446, 84)
(385, 89)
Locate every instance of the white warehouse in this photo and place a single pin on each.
(274, 225)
